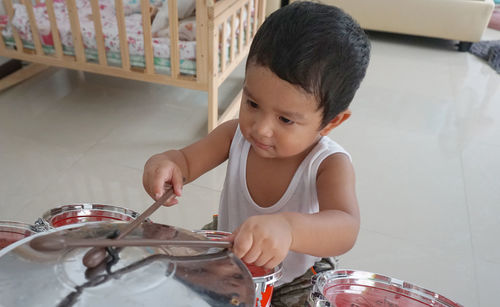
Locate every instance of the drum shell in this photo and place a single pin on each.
(351, 287)
(11, 232)
(84, 213)
(263, 279)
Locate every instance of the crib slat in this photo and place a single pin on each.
(10, 11)
(216, 52)
(233, 37)
(122, 34)
(54, 29)
(173, 20)
(202, 37)
(255, 11)
(2, 44)
(223, 47)
(96, 16)
(33, 26)
(213, 70)
(241, 34)
(247, 34)
(75, 30)
(148, 42)
(262, 12)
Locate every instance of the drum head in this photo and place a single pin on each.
(83, 213)
(174, 276)
(343, 288)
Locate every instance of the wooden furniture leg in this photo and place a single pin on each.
(21, 75)
(213, 105)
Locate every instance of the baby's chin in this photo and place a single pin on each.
(265, 153)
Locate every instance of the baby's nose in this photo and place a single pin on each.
(264, 127)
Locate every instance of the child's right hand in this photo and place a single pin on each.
(159, 172)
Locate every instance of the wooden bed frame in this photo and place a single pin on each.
(210, 47)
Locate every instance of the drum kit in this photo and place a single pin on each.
(45, 264)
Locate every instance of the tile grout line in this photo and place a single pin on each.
(466, 198)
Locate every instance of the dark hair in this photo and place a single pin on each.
(317, 47)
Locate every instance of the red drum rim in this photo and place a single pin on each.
(58, 215)
(270, 277)
(352, 283)
(11, 232)
(17, 225)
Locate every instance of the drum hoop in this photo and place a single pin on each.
(379, 281)
(17, 225)
(14, 245)
(50, 214)
(270, 278)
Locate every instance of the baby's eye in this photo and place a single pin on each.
(252, 104)
(285, 120)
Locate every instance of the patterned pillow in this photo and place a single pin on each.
(184, 7)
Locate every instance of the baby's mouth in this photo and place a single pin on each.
(261, 145)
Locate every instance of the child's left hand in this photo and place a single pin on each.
(263, 240)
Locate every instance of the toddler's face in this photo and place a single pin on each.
(279, 119)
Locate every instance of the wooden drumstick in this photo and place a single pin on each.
(97, 254)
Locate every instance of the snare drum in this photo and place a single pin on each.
(11, 232)
(84, 213)
(263, 279)
(344, 288)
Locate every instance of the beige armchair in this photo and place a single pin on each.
(461, 20)
(272, 5)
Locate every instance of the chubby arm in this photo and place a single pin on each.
(334, 229)
(177, 167)
(266, 239)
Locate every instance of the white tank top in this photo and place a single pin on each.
(236, 204)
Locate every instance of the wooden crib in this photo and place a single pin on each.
(212, 18)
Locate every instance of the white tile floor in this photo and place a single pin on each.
(424, 136)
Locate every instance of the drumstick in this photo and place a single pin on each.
(58, 242)
(97, 254)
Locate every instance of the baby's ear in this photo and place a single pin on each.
(336, 121)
